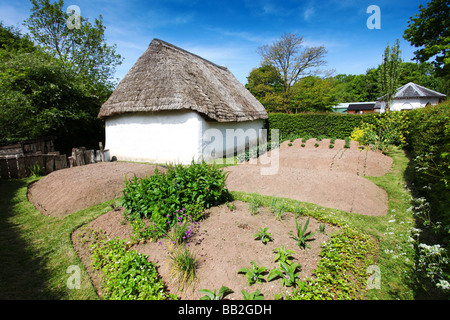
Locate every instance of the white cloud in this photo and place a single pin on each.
(308, 13)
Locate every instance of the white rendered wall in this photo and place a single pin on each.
(225, 138)
(159, 137)
(409, 104)
(176, 137)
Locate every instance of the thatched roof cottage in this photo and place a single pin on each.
(173, 106)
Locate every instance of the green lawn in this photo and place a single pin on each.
(36, 251)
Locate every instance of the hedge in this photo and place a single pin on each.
(332, 125)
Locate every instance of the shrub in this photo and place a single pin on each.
(161, 196)
(316, 124)
(127, 275)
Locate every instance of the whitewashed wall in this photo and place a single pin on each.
(175, 137)
(225, 138)
(159, 137)
(413, 103)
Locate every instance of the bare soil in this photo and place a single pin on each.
(328, 177)
(224, 242)
(70, 190)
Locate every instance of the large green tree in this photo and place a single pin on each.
(265, 84)
(84, 47)
(293, 61)
(313, 94)
(429, 30)
(40, 95)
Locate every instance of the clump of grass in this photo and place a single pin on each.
(183, 266)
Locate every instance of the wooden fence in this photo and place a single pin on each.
(19, 159)
(20, 166)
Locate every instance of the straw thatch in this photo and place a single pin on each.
(166, 78)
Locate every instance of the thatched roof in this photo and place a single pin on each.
(166, 78)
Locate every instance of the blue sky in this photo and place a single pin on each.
(229, 32)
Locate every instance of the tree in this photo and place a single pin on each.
(40, 95)
(292, 61)
(265, 84)
(85, 49)
(430, 30)
(389, 73)
(312, 94)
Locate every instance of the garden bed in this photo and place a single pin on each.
(223, 243)
(327, 177)
(69, 190)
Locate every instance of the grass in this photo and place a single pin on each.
(36, 250)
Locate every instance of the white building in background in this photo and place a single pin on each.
(412, 96)
(176, 107)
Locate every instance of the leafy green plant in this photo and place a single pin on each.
(127, 275)
(210, 295)
(303, 145)
(283, 255)
(231, 206)
(36, 170)
(287, 272)
(331, 146)
(316, 145)
(159, 196)
(321, 228)
(252, 296)
(183, 265)
(347, 142)
(254, 205)
(341, 271)
(297, 211)
(263, 235)
(253, 274)
(301, 235)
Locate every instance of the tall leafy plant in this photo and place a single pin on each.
(163, 196)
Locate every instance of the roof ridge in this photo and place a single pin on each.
(167, 44)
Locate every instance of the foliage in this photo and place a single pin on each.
(389, 73)
(84, 48)
(183, 265)
(253, 274)
(321, 228)
(287, 272)
(263, 235)
(36, 170)
(161, 196)
(127, 274)
(309, 125)
(41, 96)
(210, 295)
(429, 141)
(252, 296)
(292, 61)
(312, 94)
(283, 255)
(429, 30)
(301, 235)
(265, 85)
(341, 271)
